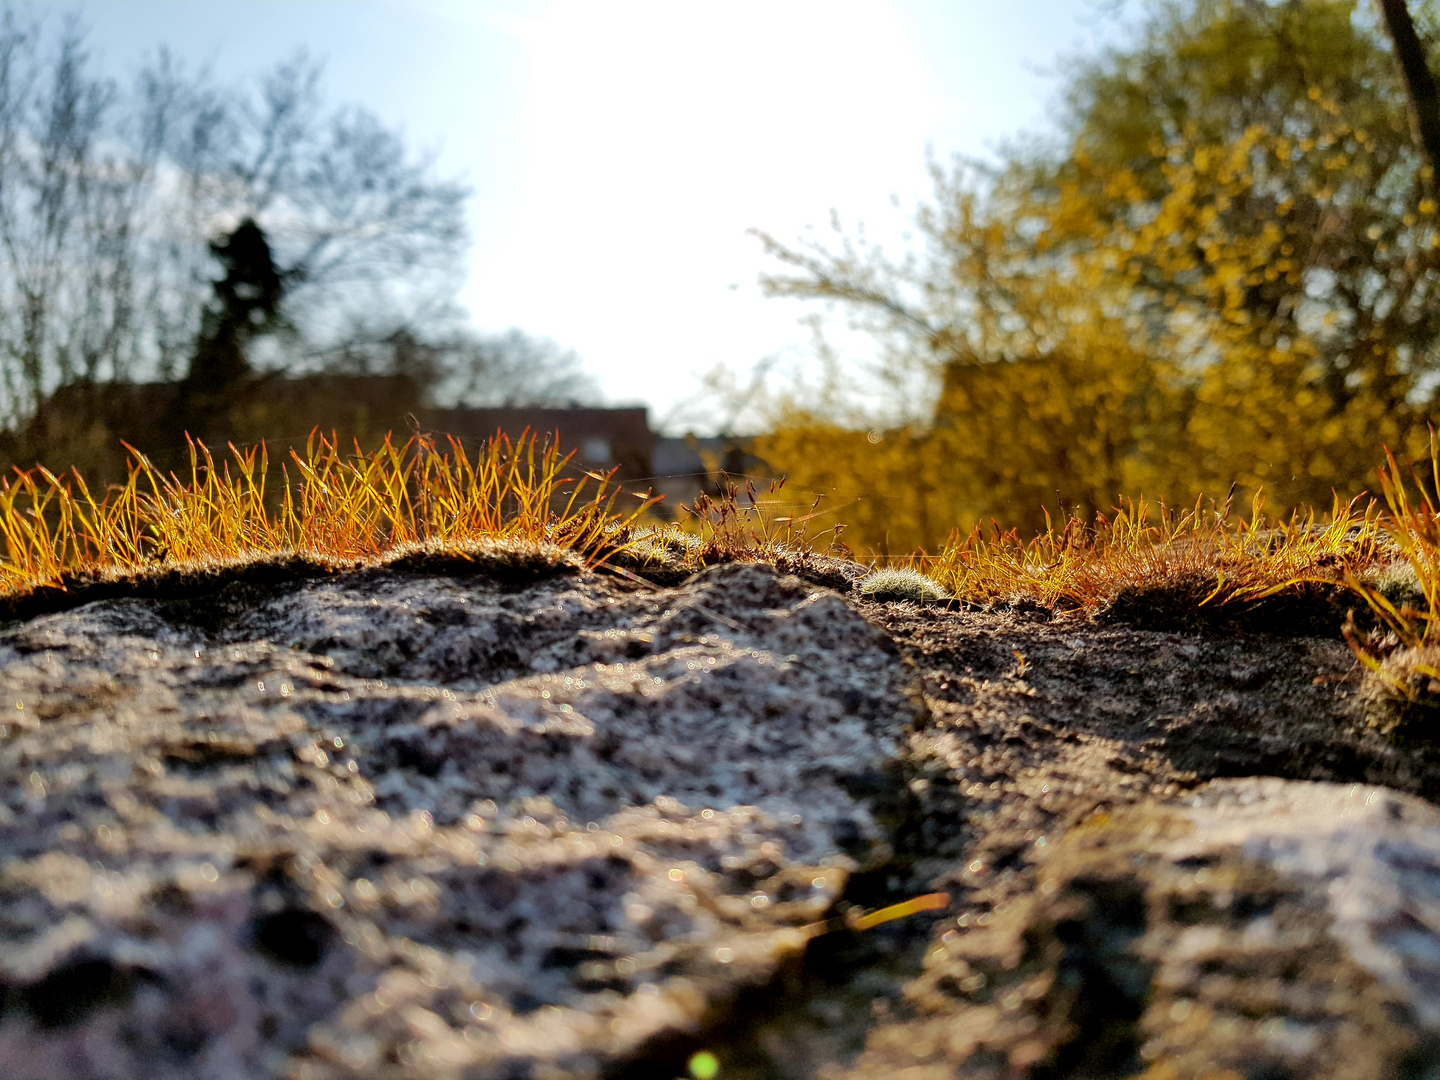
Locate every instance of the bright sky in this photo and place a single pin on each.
(620, 150)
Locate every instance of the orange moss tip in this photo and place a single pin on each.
(508, 512)
(1159, 569)
(507, 560)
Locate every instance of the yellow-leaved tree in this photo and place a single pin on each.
(1227, 276)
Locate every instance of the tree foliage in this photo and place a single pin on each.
(247, 302)
(1225, 274)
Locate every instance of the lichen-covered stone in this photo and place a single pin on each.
(390, 824)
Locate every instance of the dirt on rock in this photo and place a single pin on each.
(391, 823)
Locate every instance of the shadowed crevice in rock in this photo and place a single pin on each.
(71, 991)
(1306, 609)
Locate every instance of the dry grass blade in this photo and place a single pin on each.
(1413, 525)
(54, 531)
(1207, 557)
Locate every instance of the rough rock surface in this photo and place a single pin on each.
(395, 824)
(390, 821)
(1260, 928)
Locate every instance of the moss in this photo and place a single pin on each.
(511, 561)
(663, 555)
(514, 562)
(669, 556)
(1399, 584)
(827, 570)
(1402, 698)
(893, 583)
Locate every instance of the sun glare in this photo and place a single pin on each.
(655, 132)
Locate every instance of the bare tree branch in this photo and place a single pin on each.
(110, 198)
(1419, 82)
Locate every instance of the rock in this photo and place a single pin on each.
(1260, 928)
(393, 824)
(485, 815)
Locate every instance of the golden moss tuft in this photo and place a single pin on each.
(510, 512)
(1155, 567)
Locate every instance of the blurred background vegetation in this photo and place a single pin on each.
(1224, 273)
(171, 248)
(1220, 277)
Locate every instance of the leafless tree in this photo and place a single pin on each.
(50, 117)
(110, 197)
(513, 369)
